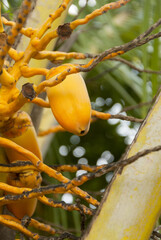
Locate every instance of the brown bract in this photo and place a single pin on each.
(28, 91)
(64, 31)
(3, 38)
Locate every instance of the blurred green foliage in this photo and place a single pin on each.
(10, 7)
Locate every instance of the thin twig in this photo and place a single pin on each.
(102, 73)
(125, 109)
(128, 46)
(118, 50)
(83, 216)
(65, 206)
(133, 66)
(60, 227)
(106, 116)
(129, 108)
(112, 166)
(126, 118)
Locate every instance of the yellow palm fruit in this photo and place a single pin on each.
(30, 179)
(70, 102)
(20, 130)
(21, 208)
